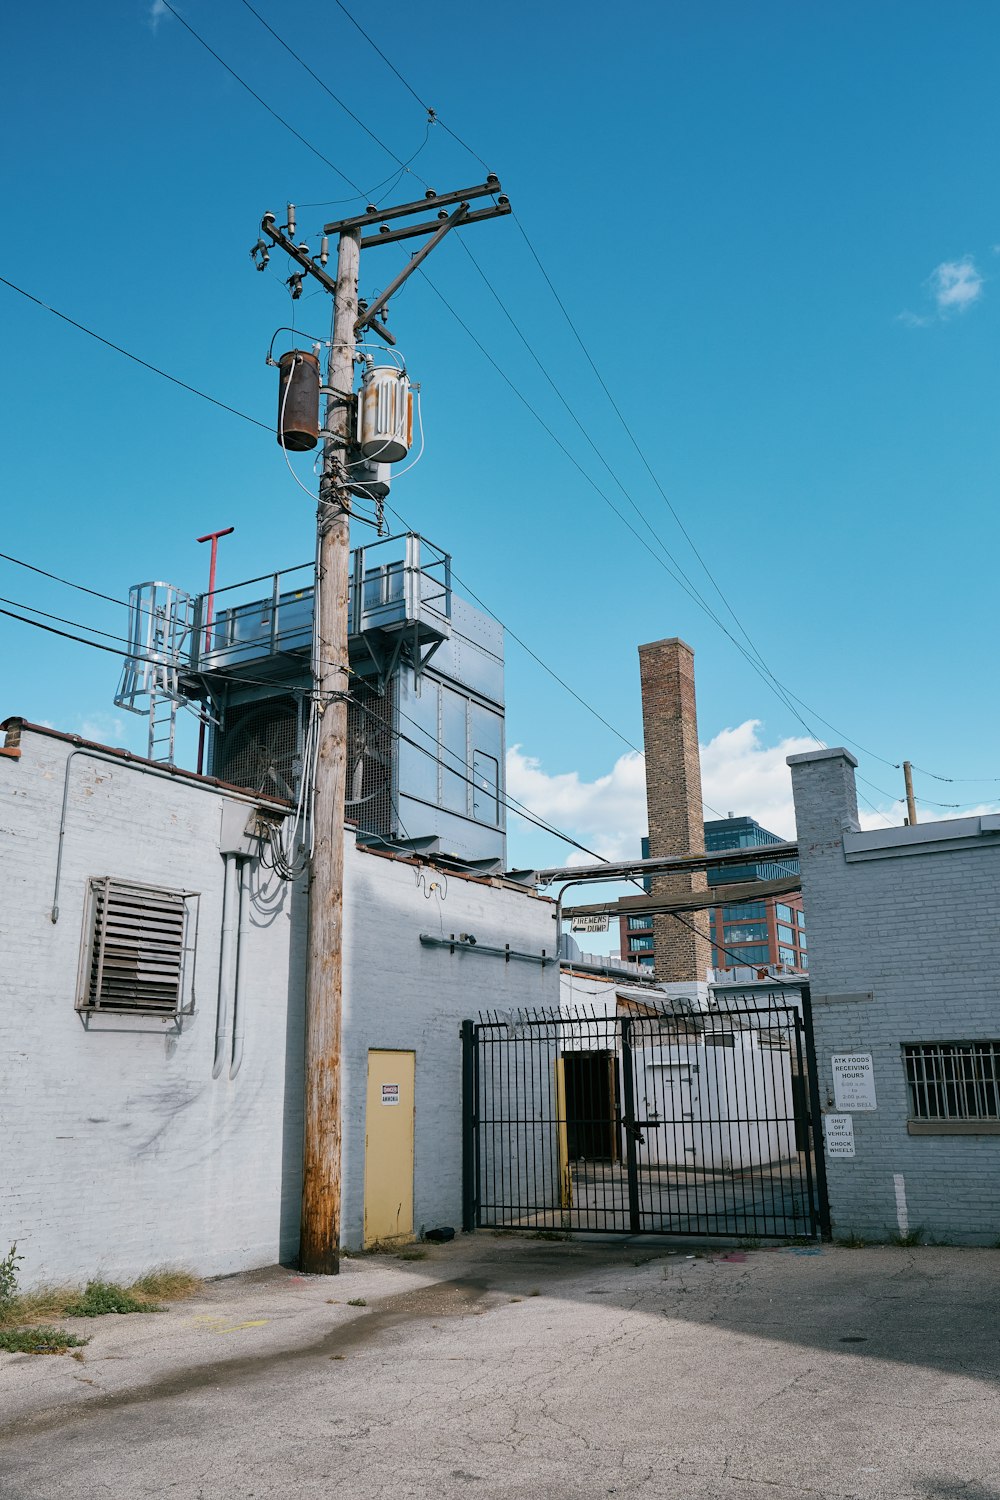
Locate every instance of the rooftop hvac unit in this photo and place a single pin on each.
(369, 761)
(385, 414)
(258, 747)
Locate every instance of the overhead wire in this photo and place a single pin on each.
(432, 116)
(392, 67)
(784, 694)
(133, 656)
(678, 577)
(403, 165)
(261, 100)
(118, 349)
(193, 390)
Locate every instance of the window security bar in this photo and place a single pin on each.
(953, 1080)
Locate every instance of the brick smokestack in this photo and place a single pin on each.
(673, 800)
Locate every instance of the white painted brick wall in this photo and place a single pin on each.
(921, 931)
(120, 1151)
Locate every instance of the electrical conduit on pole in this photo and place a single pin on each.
(242, 965)
(227, 962)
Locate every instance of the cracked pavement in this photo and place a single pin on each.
(513, 1367)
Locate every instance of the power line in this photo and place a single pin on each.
(966, 780)
(323, 85)
(512, 805)
(262, 101)
(680, 578)
(129, 355)
(669, 504)
(734, 952)
(785, 694)
(193, 390)
(265, 428)
(509, 802)
(392, 67)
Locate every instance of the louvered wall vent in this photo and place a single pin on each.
(135, 949)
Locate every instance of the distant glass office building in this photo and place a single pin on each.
(757, 933)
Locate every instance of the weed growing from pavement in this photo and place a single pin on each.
(8, 1275)
(851, 1241)
(357, 1302)
(413, 1255)
(40, 1340)
(144, 1295)
(102, 1297)
(908, 1240)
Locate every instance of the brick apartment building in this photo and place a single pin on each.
(758, 934)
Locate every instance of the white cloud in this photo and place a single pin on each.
(156, 13)
(956, 285)
(740, 774)
(105, 729)
(608, 814)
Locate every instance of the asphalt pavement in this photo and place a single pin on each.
(506, 1366)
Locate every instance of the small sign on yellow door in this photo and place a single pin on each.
(389, 1147)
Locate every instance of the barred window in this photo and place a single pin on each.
(953, 1080)
(137, 949)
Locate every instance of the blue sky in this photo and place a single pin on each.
(776, 229)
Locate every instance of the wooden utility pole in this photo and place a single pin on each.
(911, 806)
(319, 1249)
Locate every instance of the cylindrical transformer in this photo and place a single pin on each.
(369, 479)
(298, 400)
(385, 414)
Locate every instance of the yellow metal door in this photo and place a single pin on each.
(389, 1147)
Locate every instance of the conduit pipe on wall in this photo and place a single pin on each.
(125, 758)
(242, 967)
(227, 961)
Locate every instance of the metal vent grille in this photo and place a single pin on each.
(134, 960)
(258, 748)
(369, 761)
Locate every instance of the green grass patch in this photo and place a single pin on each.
(357, 1302)
(102, 1297)
(39, 1340)
(98, 1297)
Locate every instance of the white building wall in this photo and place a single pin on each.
(400, 994)
(120, 1151)
(903, 935)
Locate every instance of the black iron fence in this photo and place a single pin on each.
(644, 1121)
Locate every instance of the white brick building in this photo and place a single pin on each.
(904, 935)
(136, 1140)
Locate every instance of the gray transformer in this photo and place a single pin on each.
(425, 751)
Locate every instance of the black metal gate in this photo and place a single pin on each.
(646, 1121)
